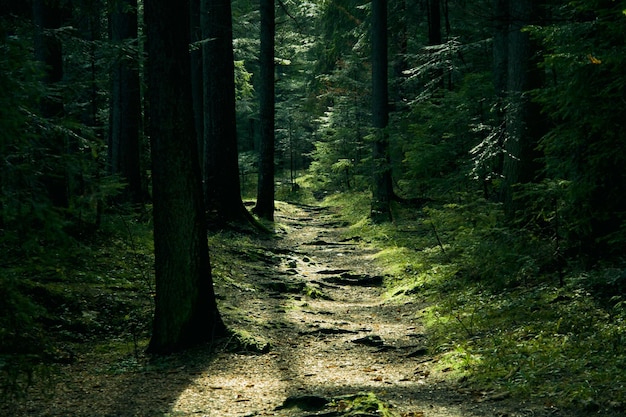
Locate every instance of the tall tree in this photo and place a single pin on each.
(48, 17)
(524, 122)
(434, 22)
(221, 164)
(585, 149)
(434, 37)
(381, 185)
(265, 194)
(125, 113)
(186, 311)
(197, 84)
(500, 48)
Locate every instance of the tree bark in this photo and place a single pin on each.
(221, 159)
(125, 116)
(185, 311)
(381, 185)
(265, 193)
(524, 122)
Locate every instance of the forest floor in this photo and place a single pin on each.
(314, 337)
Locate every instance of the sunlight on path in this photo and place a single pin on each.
(345, 342)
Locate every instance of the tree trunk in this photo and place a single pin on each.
(401, 64)
(434, 37)
(381, 184)
(197, 85)
(125, 116)
(524, 122)
(48, 17)
(500, 49)
(221, 159)
(434, 22)
(186, 311)
(265, 194)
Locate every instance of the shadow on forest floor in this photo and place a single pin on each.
(315, 300)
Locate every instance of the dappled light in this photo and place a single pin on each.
(321, 208)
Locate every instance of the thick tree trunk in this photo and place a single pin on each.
(125, 116)
(186, 311)
(221, 159)
(381, 185)
(524, 122)
(265, 195)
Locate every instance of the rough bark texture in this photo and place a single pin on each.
(381, 184)
(185, 312)
(265, 195)
(221, 164)
(124, 138)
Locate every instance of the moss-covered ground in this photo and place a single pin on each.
(497, 316)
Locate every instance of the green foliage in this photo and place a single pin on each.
(22, 340)
(55, 304)
(339, 161)
(495, 317)
(558, 345)
(585, 53)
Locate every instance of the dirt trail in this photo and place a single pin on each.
(344, 342)
(340, 339)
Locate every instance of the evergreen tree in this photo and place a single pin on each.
(266, 189)
(382, 189)
(524, 122)
(186, 311)
(48, 17)
(585, 148)
(221, 170)
(125, 113)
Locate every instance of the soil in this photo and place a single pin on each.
(320, 330)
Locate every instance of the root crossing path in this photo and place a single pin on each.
(318, 333)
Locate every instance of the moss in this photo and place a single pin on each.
(243, 341)
(363, 403)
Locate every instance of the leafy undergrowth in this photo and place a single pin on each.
(87, 295)
(497, 317)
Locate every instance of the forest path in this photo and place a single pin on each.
(341, 341)
(316, 299)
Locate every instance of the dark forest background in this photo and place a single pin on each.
(500, 129)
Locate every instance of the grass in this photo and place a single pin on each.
(496, 318)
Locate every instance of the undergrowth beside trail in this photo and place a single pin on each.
(497, 317)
